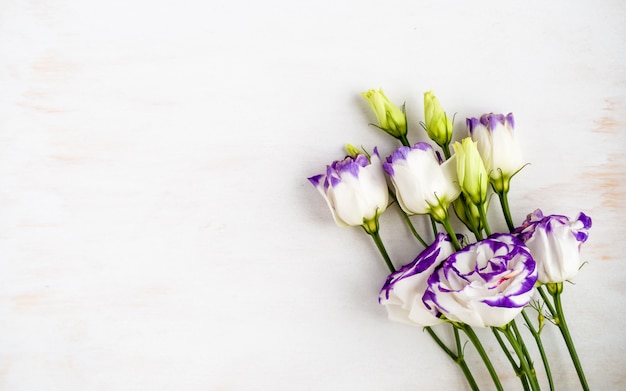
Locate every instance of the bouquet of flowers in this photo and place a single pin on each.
(463, 280)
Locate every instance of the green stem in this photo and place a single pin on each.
(483, 354)
(516, 368)
(483, 218)
(529, 359)
(560, 321)
(537, 335)
(412, 228)
(517, 347)
(446, 150)
(459, 359)
(381, 247)
(448, 227)
(546, 300)
(504, 203)
(434, 225)
(440, 343)
(404, 140)
(407, 219)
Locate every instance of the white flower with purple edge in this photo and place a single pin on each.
(498, 147)
(486, 284)
(424, 185)
(354, 188)
(554, 241)
(403, 290)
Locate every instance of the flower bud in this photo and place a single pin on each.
(390, 118)
(554, 241)
(471, 171)
(498, 147)
(355, 189)
(437, 124)
(423, 185)
(469, 214)
(352, 151)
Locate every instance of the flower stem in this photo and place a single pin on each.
(457, 358)
(412, 228)
(532, 373)
(537, 335)
(483, 354)
(448, 227)
(504, 203)
(407, 219)
(516, 368)
(381, 247)
(519, 351)
(404, 140)
(546, 301)
(483, 218)
(559, 319)
(446, 150)
(461, 360)
(434, 225)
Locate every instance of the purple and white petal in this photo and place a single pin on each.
(420, 180)
(403, 290)
(554, 241)
(354, 188)
(485, 284)
(497, 144)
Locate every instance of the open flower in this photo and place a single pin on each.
(403, 290)
(390, 117)
(354, 188)
(437, 124)
(485, 284)
(554, 241)
(498, 147)
(423, 185)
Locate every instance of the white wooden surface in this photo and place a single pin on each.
(156, 228)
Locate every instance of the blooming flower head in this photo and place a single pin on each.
(354, 188)
(423, 185)
(390, 118)
(437, 124)
(403, 290)
(554, 241)
(471, 171)
(497, 146)
(485, 284)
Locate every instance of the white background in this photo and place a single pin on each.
(157, 231)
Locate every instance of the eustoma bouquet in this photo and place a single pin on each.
(470, 279)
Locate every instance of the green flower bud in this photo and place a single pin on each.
(470, 170)
(391, 119)
(352, 151)
(437, 124)
(468, 213)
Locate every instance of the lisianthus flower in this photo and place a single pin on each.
(437, 124)
(471, 171)
(486, 284)
(423, 184)
(498, 147)
(403, 290)
(554, 241)
(354, 188)
(390, 117)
